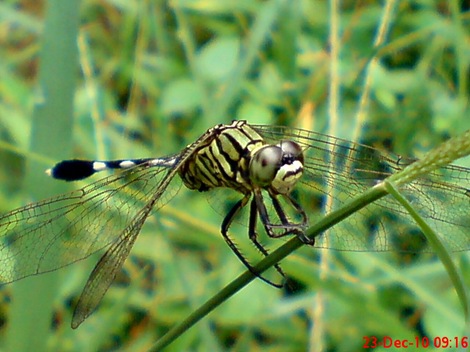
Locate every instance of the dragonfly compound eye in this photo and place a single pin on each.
(265, 164)
(277, 166)
(291, 152)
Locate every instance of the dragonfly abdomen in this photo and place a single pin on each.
(76, 169)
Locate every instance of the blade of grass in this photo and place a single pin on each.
(216, 106)
(449, 151)
(32, 307)
(436, 243)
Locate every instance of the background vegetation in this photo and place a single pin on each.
(151, 77)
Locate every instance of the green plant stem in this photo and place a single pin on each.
(236, 285)
(30, 315)
(436, 243)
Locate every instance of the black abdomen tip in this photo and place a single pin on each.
(72, 170)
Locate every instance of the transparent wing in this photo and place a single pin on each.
(106, 269)
(55, 232)
(343, 170)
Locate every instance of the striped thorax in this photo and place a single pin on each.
(236, 156)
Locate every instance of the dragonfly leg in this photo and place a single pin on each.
(288, 227)
(254, 238)
(224, 230)
(280, 212)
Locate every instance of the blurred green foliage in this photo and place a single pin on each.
(154, 75)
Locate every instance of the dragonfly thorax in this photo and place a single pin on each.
(236, 156)
(222, 158)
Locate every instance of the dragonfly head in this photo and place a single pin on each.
(278, 167)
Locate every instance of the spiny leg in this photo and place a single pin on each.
(224, 230)
(254, 238)
(286, 225)
(280, 212)
(263, 213)
(226, 225)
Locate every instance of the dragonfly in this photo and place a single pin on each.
(284, 178)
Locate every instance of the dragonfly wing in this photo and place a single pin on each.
(56, 232)
(337, 170)
(106, 269)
